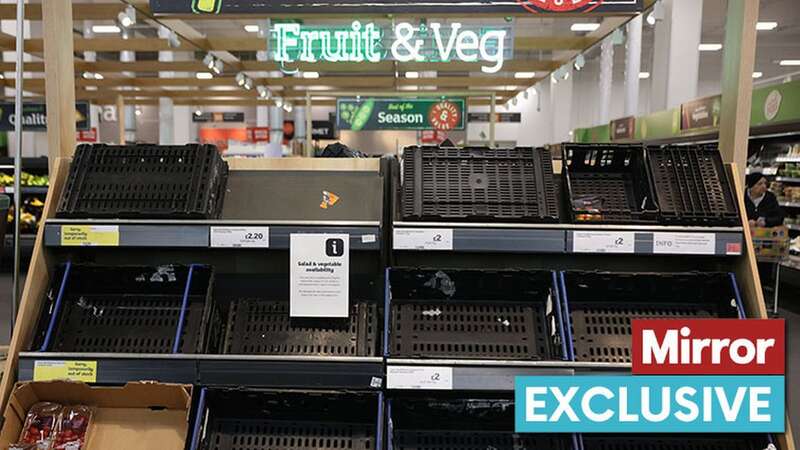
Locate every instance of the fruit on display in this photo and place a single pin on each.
(26, 179)
(71, 434)
(31, 214)
(40, 425)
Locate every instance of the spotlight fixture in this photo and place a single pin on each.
(287, 107)
(651, 19)
(198, 112)
(279, 102)
(248, 83)
(127, 18)
(240, 78)
(263, 92)
(138, 112)
(98, 76)
(580, 61)
(173, 40)
(218, 66)
(209, 60)
(87, 75)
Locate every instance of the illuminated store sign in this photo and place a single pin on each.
(434, 42)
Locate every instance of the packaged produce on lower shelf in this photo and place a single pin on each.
(66, 415)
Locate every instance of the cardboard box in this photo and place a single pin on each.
(137, 416)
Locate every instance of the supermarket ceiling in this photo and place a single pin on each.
(529, 45)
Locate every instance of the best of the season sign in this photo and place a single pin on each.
(675, 385)
(400, 114)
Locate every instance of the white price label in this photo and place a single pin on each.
(240, 237)
(368, 238)
(414, 377)
(423, 239)
(603, 241)
(684, 243)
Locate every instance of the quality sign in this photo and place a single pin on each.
(34, 116)
(400, 114)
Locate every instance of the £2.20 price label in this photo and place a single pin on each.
(239, 237)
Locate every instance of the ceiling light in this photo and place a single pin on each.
(525, 75)
(105, 29)
(651, 19)
(644, 75)
(589, 27)
(127, 18)
(279, 102)
(248, 83)
(172, 40)
(204, 75)
(209, 60)
(138, 112)
(758, 74)
(98, 76)
(240, 78)
(252, 28)
(766, 26)
(514, 101)
(198, 112)
(412, 74)
(87, 75)
(580, 61)
(310, 74)
(263, 92)
(709, 47)
(553, 78)
(218, 66)
(525, 94)
(287, 107)
(566, 75)
(790, 62)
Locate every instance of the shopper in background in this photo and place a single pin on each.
(762, 206)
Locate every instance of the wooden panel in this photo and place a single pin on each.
(59, 79)
(335, 164)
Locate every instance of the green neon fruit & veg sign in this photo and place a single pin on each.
(400, 114)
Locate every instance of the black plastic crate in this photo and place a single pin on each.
(692, 186)
(601, 305)
(478, 183)
(258, 326)
(145, 181)
(286, 420)
(474, 314)
(452, 423)
(675, 442)
(127, 309)
(608, 184)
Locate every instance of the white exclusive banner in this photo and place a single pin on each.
(319, 273)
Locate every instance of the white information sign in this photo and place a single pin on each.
(319, 273)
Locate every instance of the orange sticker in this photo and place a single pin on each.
(328, 199)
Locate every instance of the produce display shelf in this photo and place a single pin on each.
(365, 373)
(788, 179)
(560, 238)
(25, 190)
(483, 375)
(197, 233)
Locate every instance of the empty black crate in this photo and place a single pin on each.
(259, 326)
(127, 309)
(692, 186)
(505, 184)
(453, 423)
(675, 442)
(285, 420)
(600, 306)
(145, 181)
(475, 314)
(608, 184)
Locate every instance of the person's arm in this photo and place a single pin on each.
(771, 210)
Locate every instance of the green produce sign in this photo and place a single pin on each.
(401, 114)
